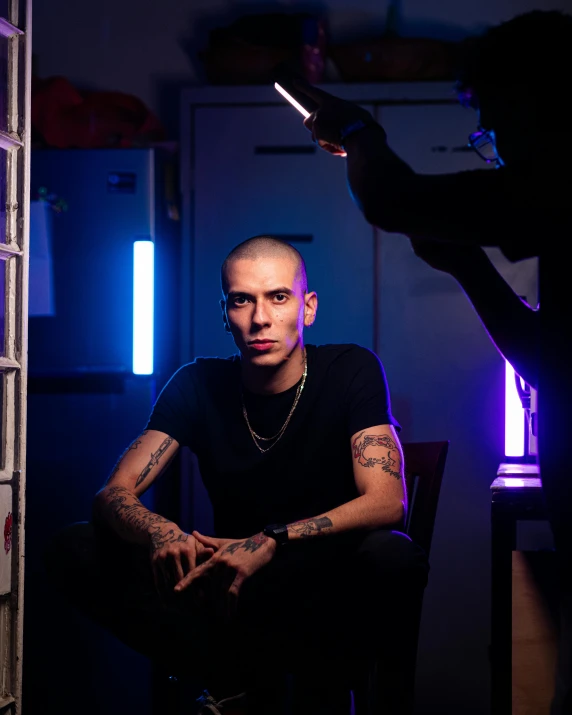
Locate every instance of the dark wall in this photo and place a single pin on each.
(80, 420)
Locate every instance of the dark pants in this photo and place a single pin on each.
(322, 609)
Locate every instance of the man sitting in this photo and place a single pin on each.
(298, 450)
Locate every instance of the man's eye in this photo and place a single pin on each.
(239, 300)
(280, 297)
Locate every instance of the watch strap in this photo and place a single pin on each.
(278, 532)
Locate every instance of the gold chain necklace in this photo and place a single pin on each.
(256, 437)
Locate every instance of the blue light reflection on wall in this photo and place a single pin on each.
(143, 306)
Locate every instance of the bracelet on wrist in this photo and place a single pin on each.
(354, 127)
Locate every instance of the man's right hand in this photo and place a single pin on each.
(447, 257)
(174, 553)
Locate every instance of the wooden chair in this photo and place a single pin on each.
(424, 467)
(391, 692)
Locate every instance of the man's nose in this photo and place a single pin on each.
(261, 315)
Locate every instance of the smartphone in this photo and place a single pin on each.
(284, 78)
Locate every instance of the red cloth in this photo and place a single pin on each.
(65, 117)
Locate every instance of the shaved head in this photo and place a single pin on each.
(263, 247)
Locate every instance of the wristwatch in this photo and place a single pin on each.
(278, 532)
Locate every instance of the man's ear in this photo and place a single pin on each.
(310, 308)
(224, 315)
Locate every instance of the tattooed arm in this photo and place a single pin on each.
(379, 477)
(117, 503)
(173, 551)
(382, 501)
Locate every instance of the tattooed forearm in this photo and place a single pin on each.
(161, 537)
(382, 451)
(132, 519)
(155, 457)
(311, 527)
(133, 445)
(252, 544)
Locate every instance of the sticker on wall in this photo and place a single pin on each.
(8, 533)
(7, 521)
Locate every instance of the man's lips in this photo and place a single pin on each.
(261, 344)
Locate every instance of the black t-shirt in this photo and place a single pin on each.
(309, 470)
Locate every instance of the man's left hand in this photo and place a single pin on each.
(233, 561)
(332, 117)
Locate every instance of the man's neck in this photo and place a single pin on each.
(272, 380)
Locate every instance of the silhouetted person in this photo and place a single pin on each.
(517, 78)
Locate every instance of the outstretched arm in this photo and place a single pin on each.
(479, 207)
(512, 324)
(483, 208)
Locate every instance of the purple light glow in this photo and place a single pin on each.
(513, 417)
(513, 482)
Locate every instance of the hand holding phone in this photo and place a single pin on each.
(291, 86)
(336, 118)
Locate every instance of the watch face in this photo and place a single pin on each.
(279, 532)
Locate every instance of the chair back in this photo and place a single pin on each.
(424, 467)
